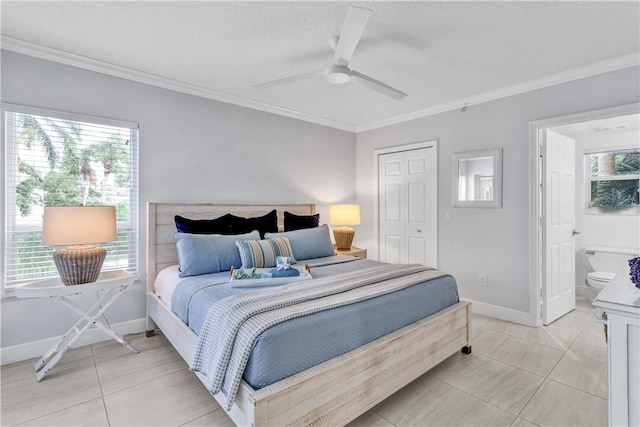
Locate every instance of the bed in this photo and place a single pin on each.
(333, 392)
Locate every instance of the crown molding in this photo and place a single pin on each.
(66, 58)
(602, 67)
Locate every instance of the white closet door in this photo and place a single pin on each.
(407, 186)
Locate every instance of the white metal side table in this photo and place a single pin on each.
(109, 287)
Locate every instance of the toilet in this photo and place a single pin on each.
(606, 262)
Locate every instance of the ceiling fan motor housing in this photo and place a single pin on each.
(337, 74)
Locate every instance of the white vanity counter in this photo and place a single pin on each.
(620, 302)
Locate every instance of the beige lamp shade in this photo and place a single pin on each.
(79, 225)
(344, 215)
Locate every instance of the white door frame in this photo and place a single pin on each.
(535, 179)
(376, 159)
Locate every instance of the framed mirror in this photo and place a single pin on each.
(477, 179)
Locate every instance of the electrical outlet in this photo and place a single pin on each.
(482, 279)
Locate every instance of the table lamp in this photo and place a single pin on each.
(344, 215)
(79, 226)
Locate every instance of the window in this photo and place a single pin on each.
(56, 159)
(613, 179)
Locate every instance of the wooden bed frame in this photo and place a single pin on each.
(334, 392)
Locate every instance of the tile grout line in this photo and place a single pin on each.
(577, 389)
(29, 362)
(104, 404)
(528, 340)
(546, 378)
(197, 418)
(518, 415)
(486, 401)
(479, 398)
(144, 382)
(165, 373)
(513, 366)
(384, 418)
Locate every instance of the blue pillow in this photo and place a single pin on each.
(208, 253)
(309, 242)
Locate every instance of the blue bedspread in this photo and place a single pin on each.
(300, 343)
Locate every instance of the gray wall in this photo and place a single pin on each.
(491, 241)
(191, 149)
(194, 149)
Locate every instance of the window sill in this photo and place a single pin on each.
(633, 211)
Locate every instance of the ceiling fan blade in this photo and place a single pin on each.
(352, 29)
(376, 85)
(290, 79)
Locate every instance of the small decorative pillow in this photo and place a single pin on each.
(263, 253)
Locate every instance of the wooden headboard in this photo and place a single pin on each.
(161, 249)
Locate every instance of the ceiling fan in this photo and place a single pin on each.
(338, 72)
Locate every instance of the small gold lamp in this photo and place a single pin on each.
(79, 226)
(344, 215)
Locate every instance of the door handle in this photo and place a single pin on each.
(574, 233)
(419, 231)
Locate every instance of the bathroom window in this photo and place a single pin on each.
(613, 179)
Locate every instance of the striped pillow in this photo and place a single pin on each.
(263, 253)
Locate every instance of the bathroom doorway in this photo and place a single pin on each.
(563, 217)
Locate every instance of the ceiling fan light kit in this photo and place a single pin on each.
(338, 72)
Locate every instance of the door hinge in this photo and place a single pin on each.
(541, 293)
(541, 222)
(540, 152)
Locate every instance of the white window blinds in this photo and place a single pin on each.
(60, 159)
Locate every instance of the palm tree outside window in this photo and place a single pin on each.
(614, 179)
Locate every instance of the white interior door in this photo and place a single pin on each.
(407, 187)
(559, 287)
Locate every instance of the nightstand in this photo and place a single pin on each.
(109, 287)
(356, 252)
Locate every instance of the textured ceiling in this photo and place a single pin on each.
(443, 54)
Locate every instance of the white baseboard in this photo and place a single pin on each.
(30, 350)
(586, 291)
(502, 313)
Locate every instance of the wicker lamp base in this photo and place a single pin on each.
(79, 264)
(343, 237)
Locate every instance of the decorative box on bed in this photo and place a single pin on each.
(330, 391)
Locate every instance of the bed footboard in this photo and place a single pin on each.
(338, 390)
(345, 387)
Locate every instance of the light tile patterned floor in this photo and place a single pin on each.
(516, 376)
